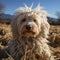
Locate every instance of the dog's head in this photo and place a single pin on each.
(29, 22)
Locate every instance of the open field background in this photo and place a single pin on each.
(54, 38)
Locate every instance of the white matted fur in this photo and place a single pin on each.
(31, 44)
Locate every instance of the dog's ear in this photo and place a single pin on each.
(45, 27)
(14, 27)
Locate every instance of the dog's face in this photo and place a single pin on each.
(29, 24)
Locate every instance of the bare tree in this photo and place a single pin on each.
(58, 16)
(1, 8)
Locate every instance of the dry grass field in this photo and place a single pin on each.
(54, 38)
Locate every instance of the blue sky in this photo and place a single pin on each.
(51, 6)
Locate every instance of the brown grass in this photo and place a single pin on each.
(5, 34)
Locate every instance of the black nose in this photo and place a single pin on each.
(28, 27)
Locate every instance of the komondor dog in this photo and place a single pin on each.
(30, 30)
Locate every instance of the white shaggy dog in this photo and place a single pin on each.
(30, 30)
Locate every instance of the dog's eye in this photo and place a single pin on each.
(34, 20)
(24, 20)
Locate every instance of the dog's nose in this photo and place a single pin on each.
(28, 27)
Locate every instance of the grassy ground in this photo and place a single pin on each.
(54, 38)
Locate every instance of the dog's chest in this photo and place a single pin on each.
(21, 50)
(25, 50)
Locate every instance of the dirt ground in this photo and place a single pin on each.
(54, 38)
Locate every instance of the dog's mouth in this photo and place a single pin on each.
(28, 32)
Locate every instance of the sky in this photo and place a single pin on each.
(51, 6)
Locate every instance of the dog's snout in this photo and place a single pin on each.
(28, 27)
